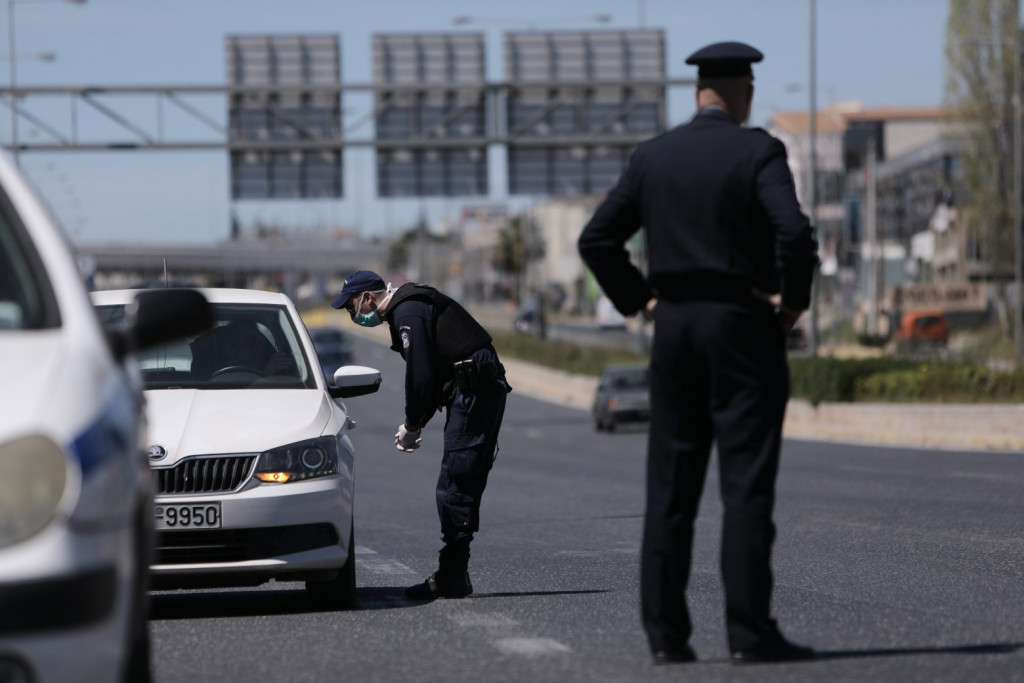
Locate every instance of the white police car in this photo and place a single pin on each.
(76, 514)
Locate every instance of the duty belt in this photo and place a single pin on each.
(469, 375)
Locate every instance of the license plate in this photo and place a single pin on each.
(205, 516)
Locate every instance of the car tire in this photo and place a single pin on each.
(340, 592)
(610, 425)
(137, 667)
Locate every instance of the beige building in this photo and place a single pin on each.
(559, 221)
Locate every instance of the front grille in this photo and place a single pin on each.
(238, 545)
(204, 475)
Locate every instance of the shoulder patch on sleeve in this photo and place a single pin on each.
(405, 338)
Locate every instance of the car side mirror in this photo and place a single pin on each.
(354, 380)
(161, 315)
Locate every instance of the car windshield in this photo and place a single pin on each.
(251, 346)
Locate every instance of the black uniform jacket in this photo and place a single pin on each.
(429, 340)
(717, 203)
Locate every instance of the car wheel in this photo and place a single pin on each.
(339, 592)
(610, 425)
(137, 667)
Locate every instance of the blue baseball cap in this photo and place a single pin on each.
(359, 281)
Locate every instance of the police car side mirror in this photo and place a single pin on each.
(354, 380)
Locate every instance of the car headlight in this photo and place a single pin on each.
(34, 474)
(299, 461)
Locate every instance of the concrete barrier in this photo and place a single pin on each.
(996, 427)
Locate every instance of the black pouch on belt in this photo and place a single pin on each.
(467, 375)
(470, 376)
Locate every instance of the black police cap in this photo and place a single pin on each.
(725, 60)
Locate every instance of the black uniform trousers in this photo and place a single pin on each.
(471, 428)
(718, 374)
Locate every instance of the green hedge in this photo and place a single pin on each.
(900, 380)
(820, 379)
(943, 383)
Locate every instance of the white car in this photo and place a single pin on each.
(76, 493)
(251, 450)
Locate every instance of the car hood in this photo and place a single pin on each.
(30, 366)
(196, 422)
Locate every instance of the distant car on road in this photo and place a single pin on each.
(76, 496)
(622, 395)
(333, 348)
(251, 451)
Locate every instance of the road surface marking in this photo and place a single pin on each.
(482, 620)
(373, 561)
(531, 647)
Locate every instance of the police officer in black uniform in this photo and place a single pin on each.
(730, 264)
(450, 363)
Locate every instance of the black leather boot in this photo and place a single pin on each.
(451, 580)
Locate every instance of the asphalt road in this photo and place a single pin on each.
(900, 565)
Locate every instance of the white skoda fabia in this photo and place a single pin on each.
(251, 450)
(76, 495)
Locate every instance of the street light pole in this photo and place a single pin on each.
(14, 82)
(815, 283)
(1018, 177)
(13, 58)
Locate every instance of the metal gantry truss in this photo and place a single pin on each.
(67, 137)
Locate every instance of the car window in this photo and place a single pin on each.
(26, 300)
(250, 346)
(628, 379)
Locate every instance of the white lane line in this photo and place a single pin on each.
(482, 620)
(531, 647)
(376, 563)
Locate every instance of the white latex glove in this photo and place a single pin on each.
(407, 440)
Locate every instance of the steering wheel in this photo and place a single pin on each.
(236, 368)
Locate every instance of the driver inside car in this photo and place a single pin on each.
(238, 346)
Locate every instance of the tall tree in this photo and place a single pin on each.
(980, 53)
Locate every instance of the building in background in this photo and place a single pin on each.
(885, 223)
(560, 272)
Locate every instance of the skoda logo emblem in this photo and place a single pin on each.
(156, 452)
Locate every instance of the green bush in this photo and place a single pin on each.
(942, 383)
(819, 379)
(901, 380)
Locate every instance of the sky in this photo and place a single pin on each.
(880, 52)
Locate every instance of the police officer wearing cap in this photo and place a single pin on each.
(730, 264)
(450, 363)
